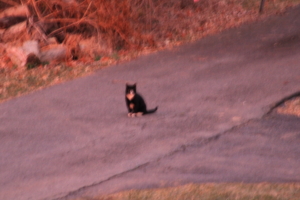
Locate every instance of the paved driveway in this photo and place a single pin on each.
(74, 139)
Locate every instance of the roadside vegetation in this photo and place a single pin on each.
(228, 191)
(114, 31)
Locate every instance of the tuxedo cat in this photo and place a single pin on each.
(135, 102)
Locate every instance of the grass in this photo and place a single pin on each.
(15, 82)
(291, 107)
(249, 4)
(222, 191)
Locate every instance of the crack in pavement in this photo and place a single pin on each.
(280, 102)
(72, 193)
(200, 142)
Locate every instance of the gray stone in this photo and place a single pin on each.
(56, 52)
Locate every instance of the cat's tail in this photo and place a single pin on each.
(151, 111)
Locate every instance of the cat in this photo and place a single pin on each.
(135, 102)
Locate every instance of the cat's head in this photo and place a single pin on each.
(130, 89)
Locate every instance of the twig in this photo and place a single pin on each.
(87, 9)
(36, 10)
(66, 20)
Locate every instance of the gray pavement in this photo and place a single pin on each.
(75, 139)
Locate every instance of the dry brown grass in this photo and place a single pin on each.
(226, 191)
(103, 18)
(291, 107)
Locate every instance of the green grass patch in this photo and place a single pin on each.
(97, 58)
(230, 191)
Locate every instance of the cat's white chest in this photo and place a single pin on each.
(129, 96)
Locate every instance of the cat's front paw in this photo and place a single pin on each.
(131, 114)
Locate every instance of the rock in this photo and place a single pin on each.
(9, 21)
(28, 53)
(54, 52)
(17, 56)
(31, 46)
(16, 31)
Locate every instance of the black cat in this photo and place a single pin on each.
(135, 102)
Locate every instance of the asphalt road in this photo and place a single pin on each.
(75, 139)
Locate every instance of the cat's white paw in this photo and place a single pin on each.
(132, 114)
